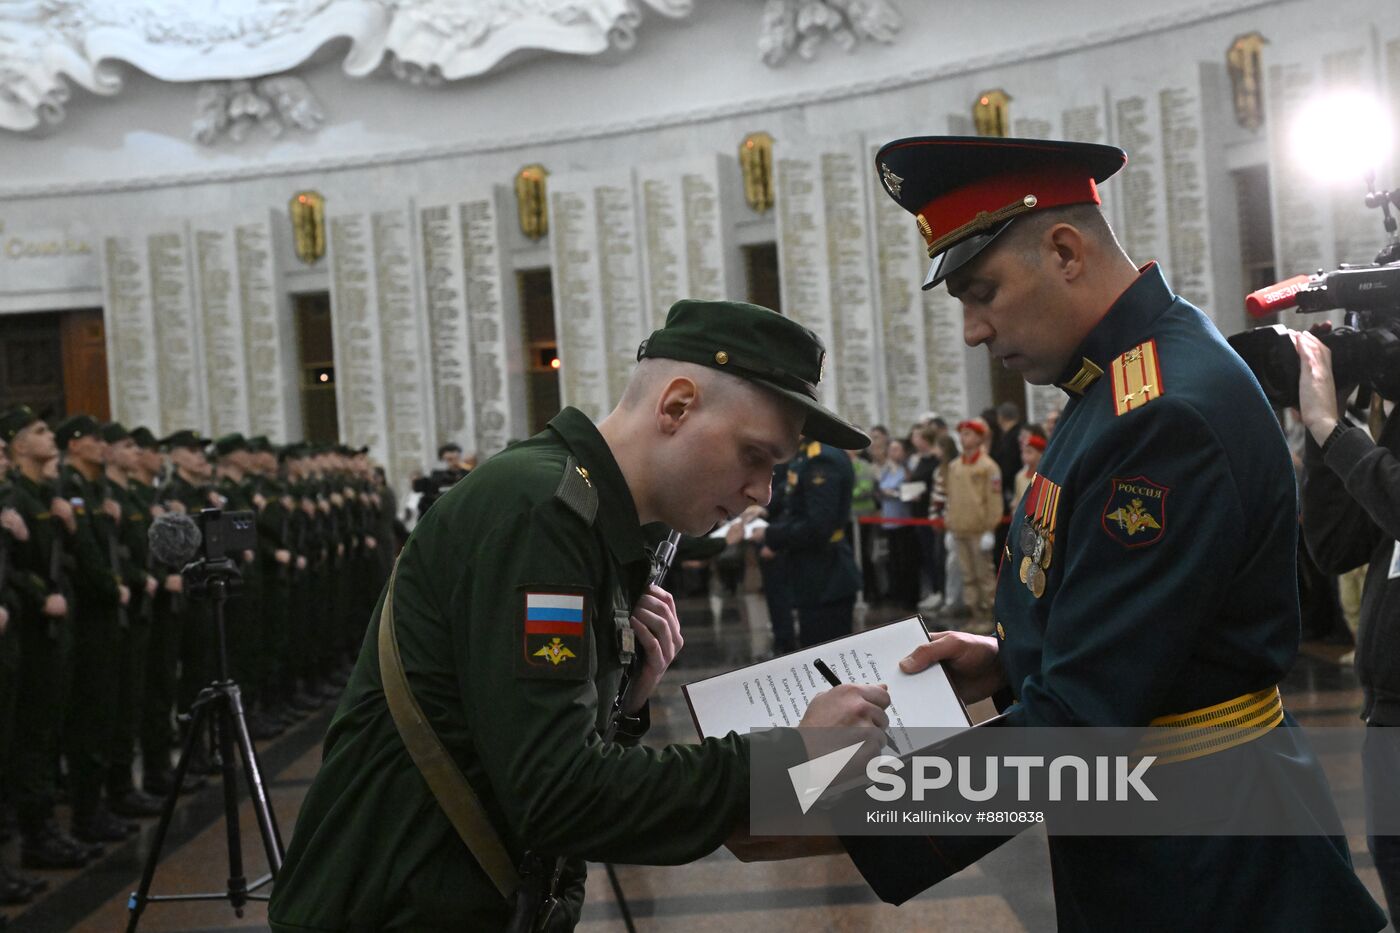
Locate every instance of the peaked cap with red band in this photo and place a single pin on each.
(965, 190)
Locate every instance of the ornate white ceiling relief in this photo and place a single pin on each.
(801, 26)
(45, 44)
(232, 108)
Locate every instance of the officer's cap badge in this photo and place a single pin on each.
(891, 180)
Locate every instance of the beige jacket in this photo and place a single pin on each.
(974, 495)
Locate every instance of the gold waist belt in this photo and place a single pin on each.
(1201, 732)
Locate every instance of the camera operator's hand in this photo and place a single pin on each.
(55, 606)
(174, 583)
(123, 594)
(13, 522)
(1317, 390)
(658, 638)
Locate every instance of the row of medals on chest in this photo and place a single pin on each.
(1037, 538)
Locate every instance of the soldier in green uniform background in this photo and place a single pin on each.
(276, 566)
(156, 727)
(188, 490)
(42, 566)
(102, 598)
(123, 798)
(515, 603)
(15, 887)
(810, 532)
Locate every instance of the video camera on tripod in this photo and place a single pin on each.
(206, 546)
(1365, 349)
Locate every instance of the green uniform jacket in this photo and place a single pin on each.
(95, 579)
(547, 529)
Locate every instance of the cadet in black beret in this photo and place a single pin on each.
(522, 560)
(1111, 609)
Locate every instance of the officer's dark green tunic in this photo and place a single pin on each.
(371, 850)
(1142, 619)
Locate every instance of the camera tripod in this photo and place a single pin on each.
(221, 705)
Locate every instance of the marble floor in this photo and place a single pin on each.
(1007, 891)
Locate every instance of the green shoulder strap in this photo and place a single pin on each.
(444, 778)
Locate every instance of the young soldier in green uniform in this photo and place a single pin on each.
(188, 490)
(275, 569)
(1149, 576)
(514, 602)
(42, 567)
(122, 796)
(810, 533)
(247, 652)
(156, 727)
(102, 599)
(15, 888)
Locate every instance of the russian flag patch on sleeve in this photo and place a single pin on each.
(554, 634)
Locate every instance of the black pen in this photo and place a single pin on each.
(835, 681)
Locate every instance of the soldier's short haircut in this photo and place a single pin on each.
(652, 373)
(1088, 219)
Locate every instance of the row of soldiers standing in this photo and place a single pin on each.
(101, 646)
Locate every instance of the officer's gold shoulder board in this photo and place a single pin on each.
(554, 639)
(1137, 378)
(814, 448)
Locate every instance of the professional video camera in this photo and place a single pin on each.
(1365, 350)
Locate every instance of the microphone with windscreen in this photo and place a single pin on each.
(174, 539)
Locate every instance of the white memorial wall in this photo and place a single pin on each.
(426, 321)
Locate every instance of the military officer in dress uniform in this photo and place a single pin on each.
(514, 606)
(810, 533)
(1149, 574)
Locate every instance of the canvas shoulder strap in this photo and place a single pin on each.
(439, 770)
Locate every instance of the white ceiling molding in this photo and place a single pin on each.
(801, 26)
(44, 45)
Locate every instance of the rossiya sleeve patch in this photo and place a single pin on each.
(553, 633)
(1136, 512)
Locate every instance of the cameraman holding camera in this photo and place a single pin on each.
(1351, 515)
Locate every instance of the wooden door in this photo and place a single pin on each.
(85, 363)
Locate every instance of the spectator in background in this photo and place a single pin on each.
(921, 469)
(904, 546)
(974, 511)
(1052, 418)
(1033, 444)
(1007, 451)
(879, 441)
(864, 502)
(938, 509)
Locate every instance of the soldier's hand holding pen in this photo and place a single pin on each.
(659, 641)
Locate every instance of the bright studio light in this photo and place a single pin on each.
(1343, 137)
